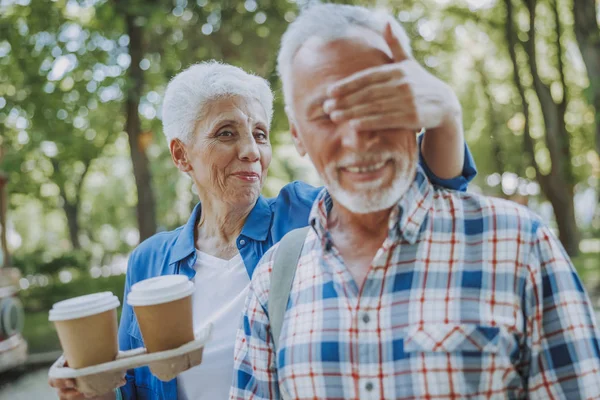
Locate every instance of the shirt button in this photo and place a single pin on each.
(242, 242)
(369, 386)
(366, 319)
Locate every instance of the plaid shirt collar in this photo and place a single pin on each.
(406, 218)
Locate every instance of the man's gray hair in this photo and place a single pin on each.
(190, 92)
(330, 22)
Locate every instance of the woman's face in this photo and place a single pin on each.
(230, 153)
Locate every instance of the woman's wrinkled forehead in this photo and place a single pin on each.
(233, 110)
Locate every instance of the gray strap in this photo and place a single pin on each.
(286, 260)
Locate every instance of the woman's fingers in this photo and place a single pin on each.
(66, 389)
(70, 394)
(394, 43)
(62, 383)
(377, 107)
(364, 78)
(373, 93)
(395, 120)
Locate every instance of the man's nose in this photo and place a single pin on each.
(353, 139)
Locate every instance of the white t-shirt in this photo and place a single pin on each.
(221, 289)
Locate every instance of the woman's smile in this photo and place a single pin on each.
(247, 176)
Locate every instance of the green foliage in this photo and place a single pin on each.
(63, 82)
(40, 333)
(39, 298)
(34, 263)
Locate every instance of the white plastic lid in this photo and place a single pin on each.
(162, 289)
(83, 306)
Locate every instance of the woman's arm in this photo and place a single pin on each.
(443, 148)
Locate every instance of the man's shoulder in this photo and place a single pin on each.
(261, 278)
(472, 206)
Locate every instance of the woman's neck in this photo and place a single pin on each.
(219, 226)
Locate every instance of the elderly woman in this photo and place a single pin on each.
(216, 119)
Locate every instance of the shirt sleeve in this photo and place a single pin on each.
(561, 327)
(457, 183)
(128, 390)
(255, 368)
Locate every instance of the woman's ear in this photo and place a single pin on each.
(179, 155)
(295, 136)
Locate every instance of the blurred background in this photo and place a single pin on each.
(85, 172)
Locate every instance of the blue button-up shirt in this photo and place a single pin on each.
(174, 252)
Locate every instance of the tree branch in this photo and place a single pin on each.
(559, 54)
(492, 115)
(465, 13)
(528, 143)
(79, 184)
(557, 140)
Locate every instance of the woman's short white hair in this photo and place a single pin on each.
(330, 22)
(189, 93)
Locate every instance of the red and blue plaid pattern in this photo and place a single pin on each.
(468, 297)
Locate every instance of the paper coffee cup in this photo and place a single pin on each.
(163, 307)
(87, 328)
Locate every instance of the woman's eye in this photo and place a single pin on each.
(260, 135)
(225, 134)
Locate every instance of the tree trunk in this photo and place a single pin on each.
(70, 206)
(587, 33)
(72, 213)
(564, 212)
(557, 186)
(141, 169)
(495, 124)
(3, 227)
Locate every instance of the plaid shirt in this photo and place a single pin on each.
(468, 297)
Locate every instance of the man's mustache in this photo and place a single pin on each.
(365, 159)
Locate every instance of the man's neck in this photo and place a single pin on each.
(371, 224)
(357, 237)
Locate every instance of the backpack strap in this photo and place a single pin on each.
(286, 260)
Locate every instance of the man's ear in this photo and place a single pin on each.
(294, 131)
(296, 138)
(179, 155)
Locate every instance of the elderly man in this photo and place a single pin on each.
(404, 289)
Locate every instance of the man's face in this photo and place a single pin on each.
(363, 171)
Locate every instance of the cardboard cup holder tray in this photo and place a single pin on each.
(165, 365)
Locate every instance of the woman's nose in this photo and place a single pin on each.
(248, 150)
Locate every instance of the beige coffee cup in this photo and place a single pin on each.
(163, 307)
(87, 328)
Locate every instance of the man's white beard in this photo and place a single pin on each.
(371, 197)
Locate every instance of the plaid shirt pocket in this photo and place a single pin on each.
(452, 338)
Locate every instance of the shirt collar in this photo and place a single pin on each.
(258, 222)
(406, 218)
(256, 227)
